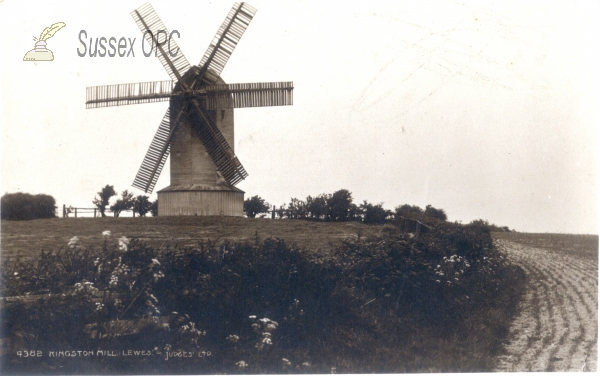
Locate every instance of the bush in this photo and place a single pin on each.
(24, 206)
(255, 205)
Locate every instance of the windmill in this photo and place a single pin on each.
(197, 129)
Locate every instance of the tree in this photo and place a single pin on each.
(103, 197)
(124, 203)
(254, 206)
(154, 208)
(338, 205)
(355, 213)
(317, 206)
(432, 212)
(297, 209)
(281, 211)
(142, 205)
(407, 211)
(374, 214)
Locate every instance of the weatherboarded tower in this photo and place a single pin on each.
(197, 128)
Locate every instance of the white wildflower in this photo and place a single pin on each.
(252, 317)
(286, 362)
(233, 338)
(267, 341)
(106, 233)
(123, 243)
(74, 242)
(241, 364)
(155, 262)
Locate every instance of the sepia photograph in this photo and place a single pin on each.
(299, 187)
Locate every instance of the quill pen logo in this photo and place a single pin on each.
(40, 52)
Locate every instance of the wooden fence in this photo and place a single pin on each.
(69, 211)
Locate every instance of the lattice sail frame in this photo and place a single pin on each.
(124, 94)
(147, 19)
(156, 156)
(217, 96)
(224, 42)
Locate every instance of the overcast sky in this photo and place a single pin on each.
(487, 110)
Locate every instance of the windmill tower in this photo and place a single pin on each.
(197, 129)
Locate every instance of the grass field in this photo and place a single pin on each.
(27, 238)
(584, 246)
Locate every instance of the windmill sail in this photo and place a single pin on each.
(157, 154)
(147, 20)
(225, 41)
(124, 94)
(217, 147)
(260, 94)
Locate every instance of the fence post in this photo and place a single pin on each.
(273, 213)
(75, 212)
(94, 212)
(133, 211)
(64, 211)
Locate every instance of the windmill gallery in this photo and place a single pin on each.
(197, 129)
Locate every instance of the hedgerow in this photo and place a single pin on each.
(25, 206)
(371, 305)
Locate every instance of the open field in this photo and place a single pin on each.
(27, 238)
(557, 327)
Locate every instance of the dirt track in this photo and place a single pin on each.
(557, 327)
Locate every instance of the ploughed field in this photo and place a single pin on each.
(557, 325)
(28, 238)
